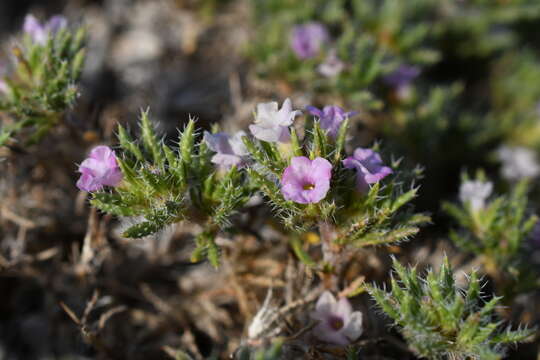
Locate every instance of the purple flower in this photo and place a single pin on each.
(39, 32)
(308, 39)
(306, 181)
(330, 117)
(332, 65)
(99, 169)
(271, 124)
(369, 167)
(338, 323)
(230, 149)
(402, 78)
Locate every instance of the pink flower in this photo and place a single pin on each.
(100, 169)
(271, 124)
(330, 117)
(308, 39)
(39, 32)
(338, 323)
(306, 181)
(369, 167)
(230, 149)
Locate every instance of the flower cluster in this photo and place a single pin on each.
(41, 83)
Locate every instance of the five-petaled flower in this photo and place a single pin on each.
(475, 193)
(330, 117)
(308, 39)
(306, 181)
(271, 124)
(230, 150)
(338, 323)
(39, 32)
(99, 169)
(369, 167)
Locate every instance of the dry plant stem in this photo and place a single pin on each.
(90, 334)
(331, 254)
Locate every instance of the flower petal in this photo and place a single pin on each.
(353, 326)
(325, 333)
(343, 308)
(325, 303)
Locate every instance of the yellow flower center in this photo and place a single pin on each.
(309, 187)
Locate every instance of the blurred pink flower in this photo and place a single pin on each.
(99, 169)
(338, 323)
(308, 39)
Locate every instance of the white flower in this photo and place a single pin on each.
(475, 193)
(271, 124)
(518, 163)
(338, 323)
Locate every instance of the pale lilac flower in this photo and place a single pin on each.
(338, 323)
(331, 66)
(308, 39)
(330, 117)
(39, 32)
(230, 150)
(306, 181)
(402, 78)
(271, 124)
(475, 193)
(99, 169)
(369, 167)
(518, 163)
